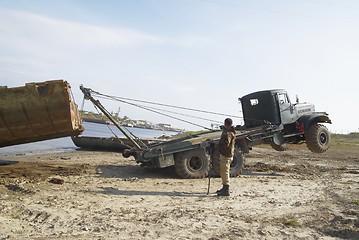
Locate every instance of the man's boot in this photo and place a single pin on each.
(219, 190)
(224, 192)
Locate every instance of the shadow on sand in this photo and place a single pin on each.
(112, 171)
(128, 172)
(7, 162)
(120, 192)
(135, 173)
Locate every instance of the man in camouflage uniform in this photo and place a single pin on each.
(226, 150)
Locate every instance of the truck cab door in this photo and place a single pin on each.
(285, 108)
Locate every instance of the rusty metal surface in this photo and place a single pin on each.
(37, 111)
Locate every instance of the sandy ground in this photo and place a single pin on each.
(281, 195)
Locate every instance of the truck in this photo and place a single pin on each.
(295, 123)
(269, 118)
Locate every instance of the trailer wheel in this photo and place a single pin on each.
(192, 163)
(281, 148)
(236, 165)
(317, 138)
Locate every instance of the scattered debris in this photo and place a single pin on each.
(18, 188)
(292, 223)
(56, 181)
(132, 179)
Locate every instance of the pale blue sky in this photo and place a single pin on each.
(196, 53)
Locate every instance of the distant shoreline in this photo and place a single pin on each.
(107, 122)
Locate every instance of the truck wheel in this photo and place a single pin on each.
(192, 163)
(236, 165)
(281, 148)
(317, 138)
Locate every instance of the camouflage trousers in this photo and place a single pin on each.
(224, 166)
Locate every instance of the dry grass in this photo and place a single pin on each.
(292, 223)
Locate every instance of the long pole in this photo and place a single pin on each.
(87, 94)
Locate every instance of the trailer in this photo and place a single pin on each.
(268, 119)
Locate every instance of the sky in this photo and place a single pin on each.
(201, 54)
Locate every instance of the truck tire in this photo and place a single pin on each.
(317, 138)
(236, 165)
(281, 148)
(192, 164)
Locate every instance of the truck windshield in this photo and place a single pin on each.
(283, 98)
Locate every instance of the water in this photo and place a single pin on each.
(66, 144)
(102, 130)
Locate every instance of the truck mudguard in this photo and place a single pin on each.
(316, 117)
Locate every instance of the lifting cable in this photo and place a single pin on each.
(163, 110)
(82, 110)
(182, 114)
(164, 105)
(160, 111)
(108, 126)
(163, 114)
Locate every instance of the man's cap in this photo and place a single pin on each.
(228, 122)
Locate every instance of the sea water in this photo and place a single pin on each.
(66, 144)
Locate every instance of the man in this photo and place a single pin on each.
(226, 150)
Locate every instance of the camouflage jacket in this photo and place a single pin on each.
(227, 141)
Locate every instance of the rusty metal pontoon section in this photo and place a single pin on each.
(37, 111)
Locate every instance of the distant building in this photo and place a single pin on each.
(165, 125)
(215, 126)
